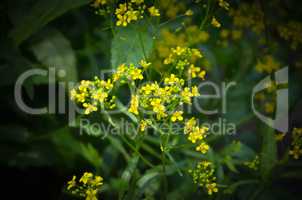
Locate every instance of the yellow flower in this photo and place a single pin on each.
(144, 64)
(91, 194)
(87, 176)
(203, 175)
(193, 70)
(189, 12)
(202, 74)
(71, 183)
(195, 91)
(197, 134)
(211, 187)
(97, 181)
(89, 108)
(268, 64)
(279, 136)
(132, 16)
(296, 152)
(177, 116)
(224, 4)
(137, 1)
(134, 104)
(122, 20)
(154, 11)
(136, 74)
(100, 95)
(122, 9)
(97, 3)
(142, 125)
(190, 124)
(186, 95)
(87, 187)
(203, 148)
(215, 23)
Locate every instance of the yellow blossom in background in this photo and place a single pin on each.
(236, 34)
(154, 11)
(296, 144)
(189, 12)
(269, 107)
(279, 136)
(291, 32)
(224, 33)
(267, 64)
(215, 23)
(248, 16)
(224, 4)
(296, 152)
(98, 3)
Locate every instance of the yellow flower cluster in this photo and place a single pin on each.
(158, 99)
(234, 34)
(87, 187)
(172, 8)
(93, 94)
(296, 144)
(130, 72)
(182, 57)
(98, 3)
(291, 32)
(196, 71)
(248, 16)
(203, 175)
(224, 4)
(196, 133)
(267, 64)
(144, 124)
(133, 11)
(254, 164)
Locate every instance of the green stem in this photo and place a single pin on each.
(206, 16)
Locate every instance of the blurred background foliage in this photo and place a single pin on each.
(39, 153)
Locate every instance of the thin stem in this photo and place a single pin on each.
(206, 16)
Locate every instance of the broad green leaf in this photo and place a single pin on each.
(54, 50)
(39, 14)
(131, 44)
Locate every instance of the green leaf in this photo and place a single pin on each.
(131, 44)
(52, 49)
(39, 14)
